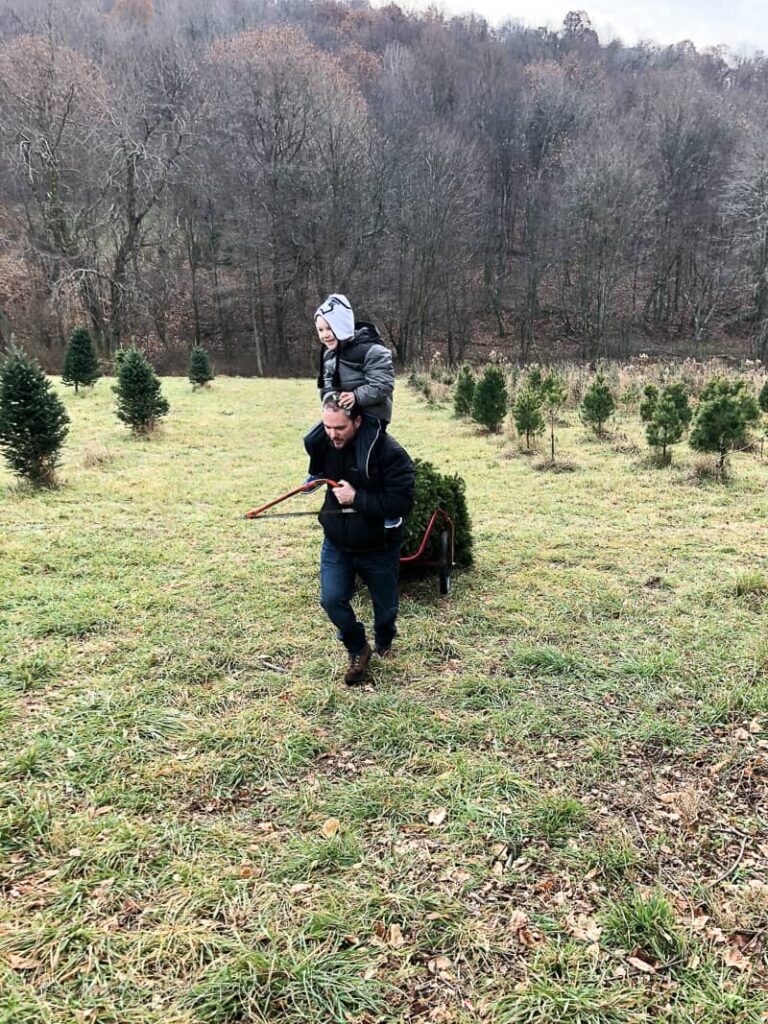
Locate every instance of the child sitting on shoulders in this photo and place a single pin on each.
(357, 368)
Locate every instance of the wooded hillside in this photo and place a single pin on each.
(195, 172)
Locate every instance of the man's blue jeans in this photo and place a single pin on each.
(379, 570)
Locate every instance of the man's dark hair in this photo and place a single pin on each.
(332, 402)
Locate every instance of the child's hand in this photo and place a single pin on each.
(347, 399)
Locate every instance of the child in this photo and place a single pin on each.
(357, 367)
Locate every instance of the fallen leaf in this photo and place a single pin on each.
(741, 734)
(437, 816)
(583, 928)
(300, 887)
(395, 937)
(641, 965)
(439, 963)
(330, 828)
(733, 958)
(23, 963)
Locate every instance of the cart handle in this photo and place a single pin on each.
(303, 489)
(439, 512)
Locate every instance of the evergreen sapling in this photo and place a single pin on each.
(527, 415)
(200, 372)
(81, 367)
(117, 360)
(598, 404)
(464, 392)
(489, 404)
(679, 396)
(535, 379)
(725, 413)
(554, 393)
(33, 420)
(140, 403)
(648, 402)
(665, 427)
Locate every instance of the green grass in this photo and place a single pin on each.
(587, 712)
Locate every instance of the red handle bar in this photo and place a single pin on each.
(296, 490)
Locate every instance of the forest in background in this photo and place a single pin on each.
(188, 171)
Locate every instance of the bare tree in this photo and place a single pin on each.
(747, 208)
(606, 207)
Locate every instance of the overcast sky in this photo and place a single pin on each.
(738, 24)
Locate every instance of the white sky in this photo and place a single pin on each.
(740, 24)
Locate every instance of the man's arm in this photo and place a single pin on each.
(395, 498)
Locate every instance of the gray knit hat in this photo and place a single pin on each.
(337, 313)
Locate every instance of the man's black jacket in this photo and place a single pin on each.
(385, 490)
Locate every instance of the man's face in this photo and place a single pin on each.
(339, 427)
(325, 334)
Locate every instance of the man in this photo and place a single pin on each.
(362, 519)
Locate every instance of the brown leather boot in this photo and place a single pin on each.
(357, 672)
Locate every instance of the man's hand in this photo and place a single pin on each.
(345, 493)
(347, 399)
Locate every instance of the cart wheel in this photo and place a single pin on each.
(446, 562)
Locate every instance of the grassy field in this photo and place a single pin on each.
(551, 807)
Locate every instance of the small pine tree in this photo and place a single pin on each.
(117, 360)
(666, 426)
(200, 372)
(535, 379)
(724, 415)
(679, 396)
(33, 420)
(81, 366)
(527, 415)
(140, 403)
(762, 400)
(598, 404)
(554, 393)
(464, 392)
(648, 403)
(489, 404)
